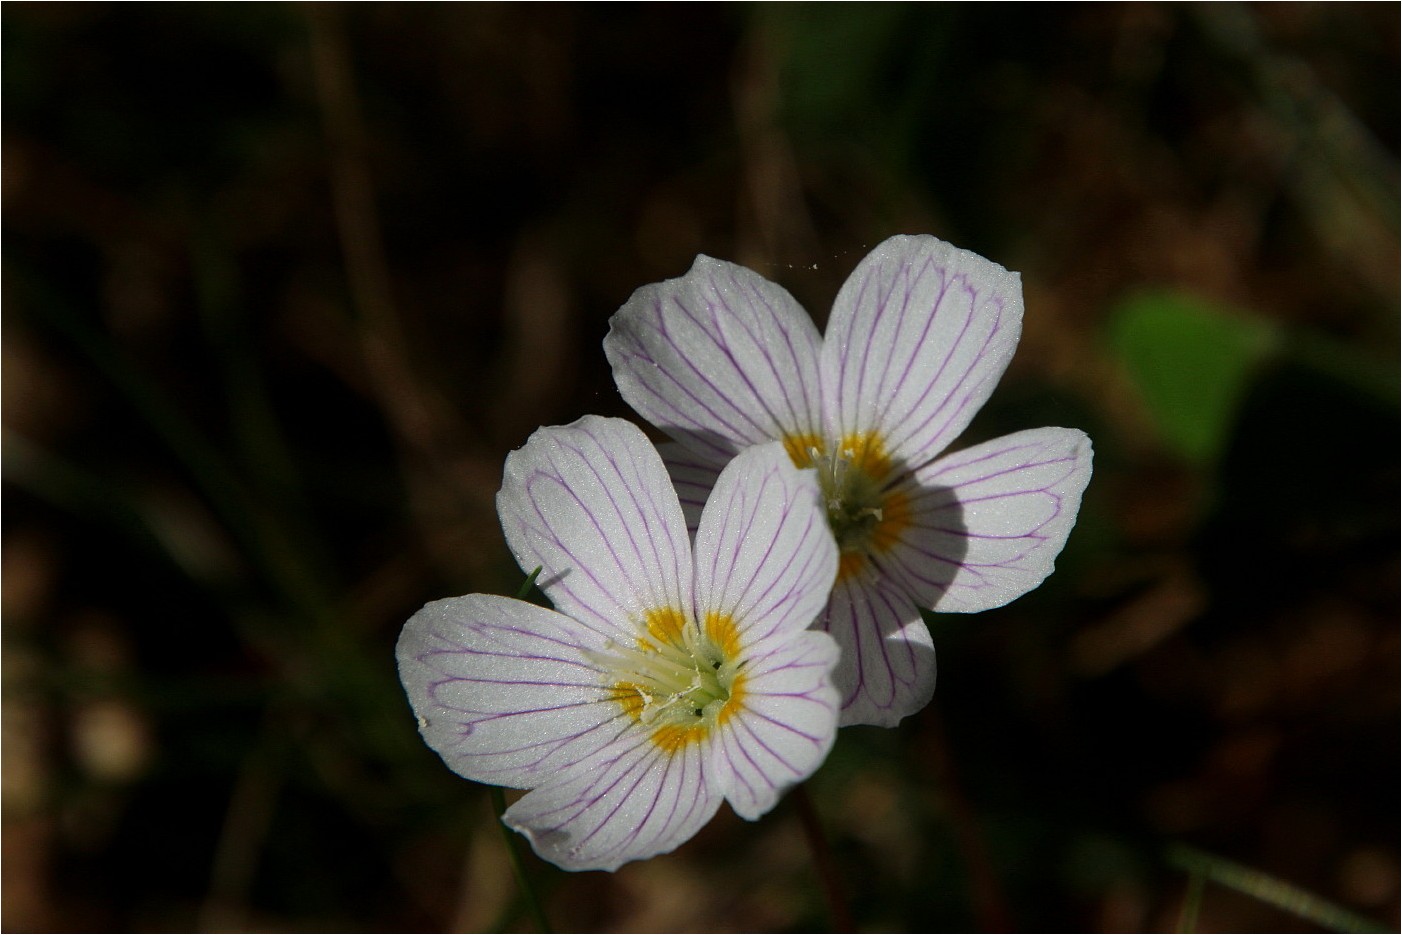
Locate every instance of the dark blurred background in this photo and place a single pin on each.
(283, 284)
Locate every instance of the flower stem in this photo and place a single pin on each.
(822, 859)
(517, 866)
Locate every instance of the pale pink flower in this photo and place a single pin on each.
(668, 677)
(722, 359)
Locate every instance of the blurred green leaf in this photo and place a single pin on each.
(1191, 362)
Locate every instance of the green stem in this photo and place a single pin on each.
(1192, 901)
(517, 866)
(1268, 889)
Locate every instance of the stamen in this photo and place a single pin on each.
(867, 512)
(677, 678)
(865, 515)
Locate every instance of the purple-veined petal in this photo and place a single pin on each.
(591, 504)
(693, 475)
(632, 801)
(765, 556)
(919, 335)
(887, 670)
(720, 359)
(989, 521)
(505, 691)
(787, 724)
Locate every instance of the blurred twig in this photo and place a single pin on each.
(422, 419)
(261, 533)
(319, 655)
(1343, 179)
(1268, 889)
(246, 823)
(1192, 901)
(840, 914)
(433, 443)
(772, 181)
(989, 907)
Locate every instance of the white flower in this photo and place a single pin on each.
(667, 679)
(722, 359)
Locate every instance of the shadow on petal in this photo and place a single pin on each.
(888, 664)
(932, 545)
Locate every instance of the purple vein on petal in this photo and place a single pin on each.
(640, 769)
(543, 529)
(811, 557)
(761, 568)
(916, 348)
(754, 742)
(663, 406)
(586, 798)
(622, 786)
(785, 326)
(871, 638)
(882, 307)
(747, 740)
(961, 394)
(761, 343)
(609, 731)
(627, 483)
(724, 348)
(853, 395)
(444, 646)
(903, 609)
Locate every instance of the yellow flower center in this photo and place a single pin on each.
(682, 679)
(867, 509)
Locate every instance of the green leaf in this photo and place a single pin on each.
(1191, 362)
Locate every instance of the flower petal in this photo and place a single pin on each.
(919, 335)
(720, 359)
(989, 521)
(693, 475)
(788, 723)
(887, 669)
(631, 801)
(591, 504)
(504, 690)
(765, 556)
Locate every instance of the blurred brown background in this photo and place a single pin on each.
(283, 284)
